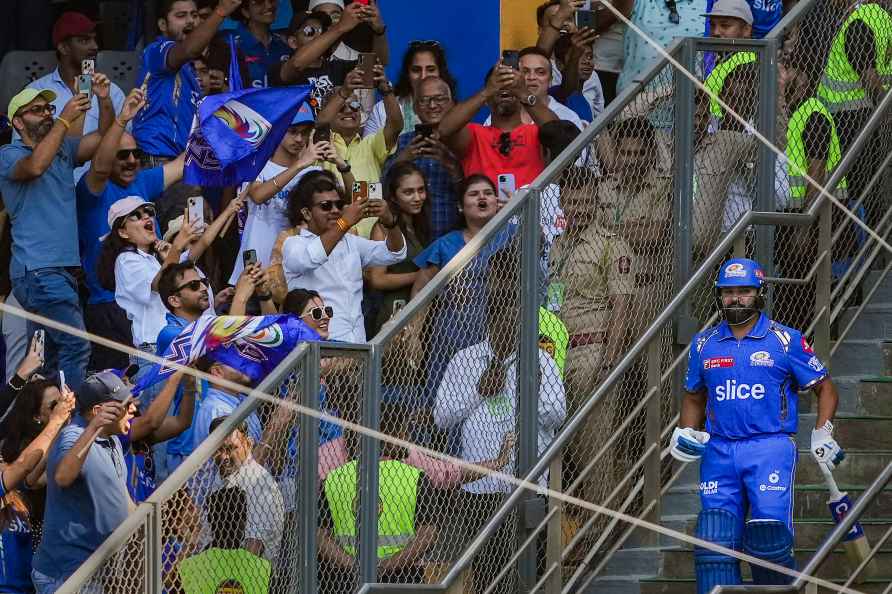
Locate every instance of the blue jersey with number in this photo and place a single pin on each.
(751, 384)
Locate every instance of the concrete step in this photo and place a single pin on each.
(689, 586)
(810, 501)
(852, 432)
(864, 396)
(875, 321)
(636, 561)
(862, 357)
(859, 467)
(884, 291)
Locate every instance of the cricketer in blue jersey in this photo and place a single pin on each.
(741, 387)
(172, 91)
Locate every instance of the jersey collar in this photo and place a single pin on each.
(760, 330)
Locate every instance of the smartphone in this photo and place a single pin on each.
(367, 65)
(61, 379)
(511, 58)
(85, 85)
(360, 190)
(424, 130)
(196, 212)
(363, 2)
(586, 18)
(40, 337)
(322, 134)
(88, 67)
(586, 5)
(376, 192)
(249, 257)
(507, 186)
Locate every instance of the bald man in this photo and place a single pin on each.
(114, 173)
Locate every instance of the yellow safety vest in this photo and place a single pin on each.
(841, 88)
(797, 163)
(397, 498)
(553, 338)
(225, 571)
(716, 79)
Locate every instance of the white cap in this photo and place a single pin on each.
(314, 3)
(739, 9)
(124, 207)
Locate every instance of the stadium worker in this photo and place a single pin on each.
(742, 380)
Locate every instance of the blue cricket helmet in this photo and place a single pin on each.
(740, 272)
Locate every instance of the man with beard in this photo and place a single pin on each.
(509, 145)
(172, 90)
(37, 185)
(115, 173)
(74, 39)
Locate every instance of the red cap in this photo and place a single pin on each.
(71, 24)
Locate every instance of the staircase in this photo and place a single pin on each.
(863, 428)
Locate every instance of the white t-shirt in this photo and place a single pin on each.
(134, 271)
(485, 421)
(609, 50)
(265, 221)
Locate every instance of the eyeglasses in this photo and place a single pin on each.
(434, 100)
(311, 31)
(39, 110)
(505, 144)
(329, 204)
(194, 285)
(125, 154)
(425, 43)
(140, 212)
(317, 313)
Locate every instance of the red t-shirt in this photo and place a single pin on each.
(523, 157)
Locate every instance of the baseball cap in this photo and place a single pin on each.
(314, 3)
(304, 115)
(124, 207)
(25, 97)
(732, 8)
(101, 387)
(72, 24)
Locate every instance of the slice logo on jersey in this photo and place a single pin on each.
(709, 487)
(735, 270)
(816, 364)
(807, 347)
(718, 362)
(773, 480)
(761, 359)
(731, 390)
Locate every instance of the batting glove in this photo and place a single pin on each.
(824, 448)
(687, 444)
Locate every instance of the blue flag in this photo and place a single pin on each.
(235, 74)
(236, 134)
(253, 345)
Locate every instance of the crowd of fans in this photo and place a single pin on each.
(371, 192)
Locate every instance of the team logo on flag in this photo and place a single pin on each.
(244, 121)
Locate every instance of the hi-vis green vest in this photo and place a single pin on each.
(840, 87)
(397, 497)
(225, 571)
(553, 338)
(797, 162)
(716, 79)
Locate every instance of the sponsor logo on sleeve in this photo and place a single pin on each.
(816, 364)
(761, 359)
(718, 362)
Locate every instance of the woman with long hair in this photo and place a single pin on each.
(405, 189)
(422, 59)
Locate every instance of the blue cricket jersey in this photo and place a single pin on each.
(752, 384)
(162, 127)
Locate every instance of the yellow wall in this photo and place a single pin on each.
(518, 23)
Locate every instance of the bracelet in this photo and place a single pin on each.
(346, 169)
(343, 225)
(17, 383)
(65, 122)
(275, 183)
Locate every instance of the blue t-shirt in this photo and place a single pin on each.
(92, 221)
(162, 127)
(577, 102)
(41, 210)
(217, 403)
(752, 384)
(258, 57)
(80, 517)
(441, 251)
(15, 558)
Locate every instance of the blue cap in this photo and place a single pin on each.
(304, 115)
(232, 356)
(740, 272)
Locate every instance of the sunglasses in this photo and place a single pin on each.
(327, 205)
(505, 143)
(194, 285)
(353, 105)
(317, 313)
(125, 154)
(39, 110)
(311, 31)
(140, 212)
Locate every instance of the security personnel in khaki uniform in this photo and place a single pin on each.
(592, 287)
(635, 202)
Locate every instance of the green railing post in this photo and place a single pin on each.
(368, 468)
(309, 460)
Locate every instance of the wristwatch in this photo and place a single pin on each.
(385, 88)
(345, 169)
(531, 100)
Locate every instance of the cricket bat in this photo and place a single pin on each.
(855, 542)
